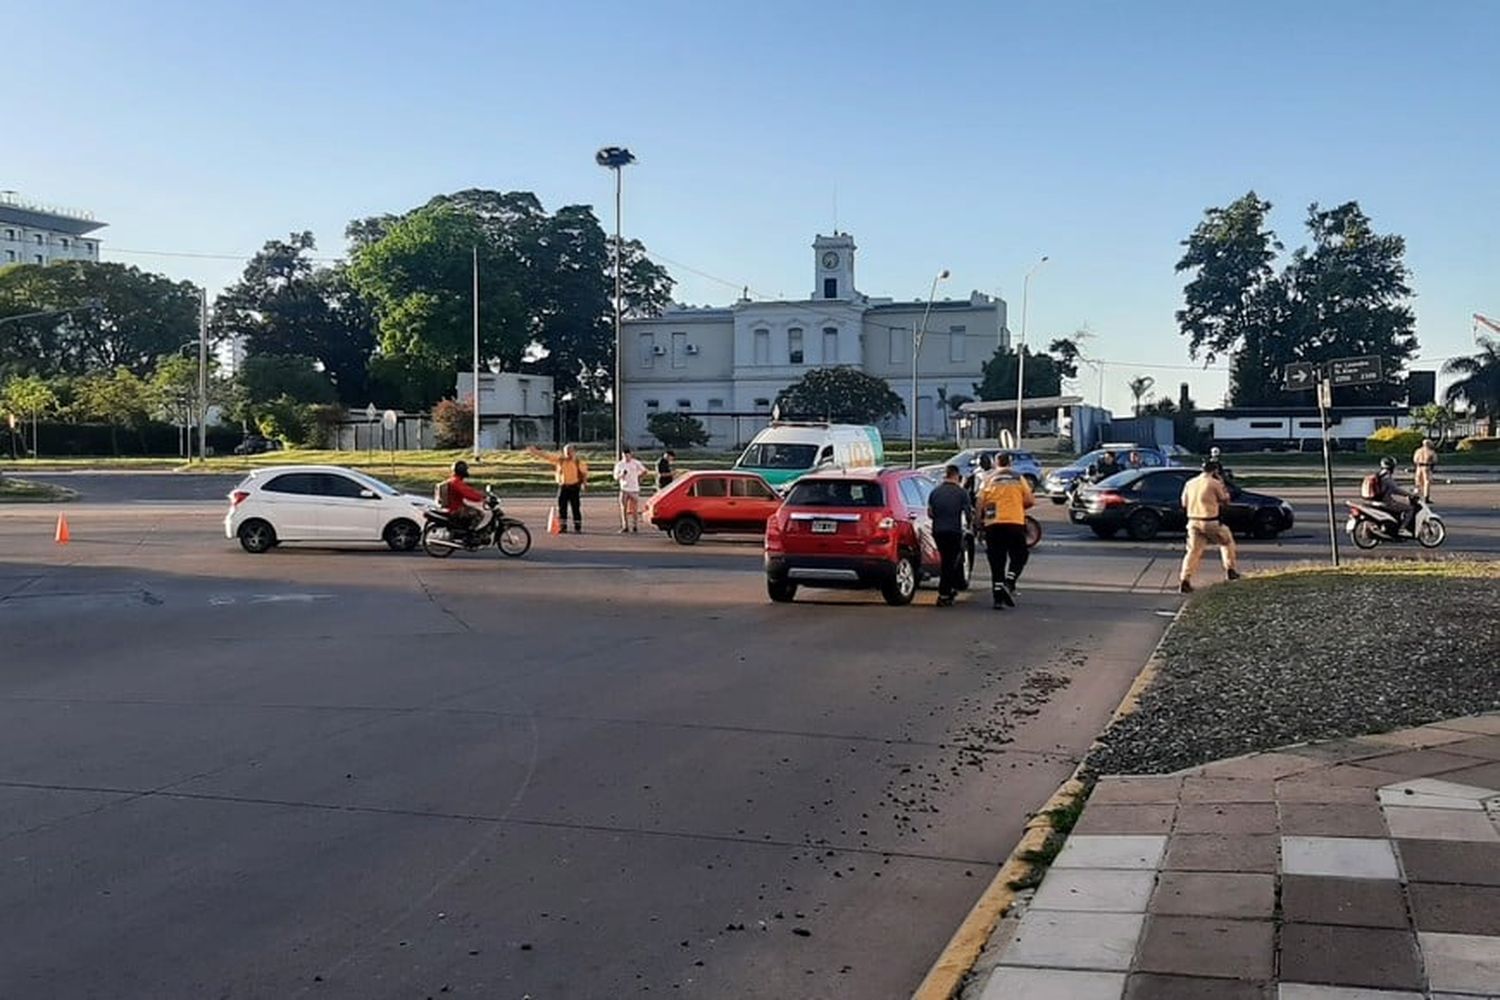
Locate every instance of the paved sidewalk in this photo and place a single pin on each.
(1360, 869)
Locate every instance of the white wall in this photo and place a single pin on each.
(509, 393)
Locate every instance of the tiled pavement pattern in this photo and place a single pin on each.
(1362, 869)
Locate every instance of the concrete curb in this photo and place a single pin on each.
(956, 961)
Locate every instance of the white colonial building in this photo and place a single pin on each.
(726, 366)
(515, 409)
(38, 234)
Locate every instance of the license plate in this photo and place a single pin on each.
(825, 527)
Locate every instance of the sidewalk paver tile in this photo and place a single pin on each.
(1219, 852)
(1355, 902)
(1487, 747)
(1095, 889)
(1350, 956)
(1339, 819)
(1109, 851)
(1205, 789)
(1304, 789)
(1334, 751)
(1131, 818)
(1415, 823)
(1149, 986)
(1344, 857)
(1226, 817)
(1307, 991)
(1419, 738)
(1102, 941)
(1361, 775)
(1456, 909)
(1435, 794)
(1009, 983)
(1129, 789)
(1205, 946)
(1215, 894)
(1260, 765)
(1487, 724)
(1450, 861)
(1424, 763)
(1483, 775)
(1462, 963)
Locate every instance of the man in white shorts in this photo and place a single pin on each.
(628, 473)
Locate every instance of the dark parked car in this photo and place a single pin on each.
(1059, 481)
(256, 445)
(1145, 502)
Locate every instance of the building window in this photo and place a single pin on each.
(10, 234)
(37, 258)
(716, 404)
(684, 404)
(91, 247)
(958, 337)
(830, 345)
(63, 243)
(1265, 425)
(1310, 425)
(898, 347)
(794, 346)
(830, 288)
(762, 347)
(679, 350)
(648, 350)
(10, 256)
(762, 405)
(653, 404)
(38, 238)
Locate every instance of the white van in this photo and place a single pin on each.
(789, 450)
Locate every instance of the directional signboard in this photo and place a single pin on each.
(370, 412)
(1354, 371)
(1300, 375)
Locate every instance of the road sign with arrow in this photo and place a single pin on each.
(1300, 375)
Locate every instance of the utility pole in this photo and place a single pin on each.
(1021, 348)
(1325, 399)
(917, 336)
(616, 158)
(476, 353)
(203, 374)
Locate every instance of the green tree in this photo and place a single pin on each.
(28, 396)
(285, 305)
(1479, 381)
(267, 377)
(174, 387)
(453, 424)
(119, 398)
(677, 430)
(1436, 420)
(1140, 387)
(841, 393)
(1044, 371)
(118, 316)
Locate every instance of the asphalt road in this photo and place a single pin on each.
(608, 769)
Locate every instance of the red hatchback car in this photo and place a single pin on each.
(852, 530)
(707, 502)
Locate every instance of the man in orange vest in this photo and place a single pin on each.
(1003, 499)
(572, 475)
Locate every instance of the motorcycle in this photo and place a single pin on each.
(441, 537)
(1369, 525)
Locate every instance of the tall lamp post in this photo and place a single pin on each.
(916, 353)
(616, 158)
(1021, 348)
(203, 375)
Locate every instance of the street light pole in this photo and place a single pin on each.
(916, 351)
(203, 375)
(476, 353)
(1021, 348)
(616, 158)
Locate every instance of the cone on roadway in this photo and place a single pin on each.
(62, 536)
(554, 523)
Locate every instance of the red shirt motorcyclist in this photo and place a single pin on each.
(463, 499)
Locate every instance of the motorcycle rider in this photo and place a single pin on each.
(1393, 498)
(464, 504)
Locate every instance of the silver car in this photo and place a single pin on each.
(1023, 462)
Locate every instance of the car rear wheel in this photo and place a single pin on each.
(1104, 530)
(781, 591)
(902, 586)
(402, 535)
(257, 536)
(687, 530)
(1143, 525)
(1266, 524)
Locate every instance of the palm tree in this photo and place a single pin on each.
(1139, 386)
(1480, 384)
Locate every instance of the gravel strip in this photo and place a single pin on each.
(1312, 655)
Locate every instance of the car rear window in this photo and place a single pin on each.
(836, 493)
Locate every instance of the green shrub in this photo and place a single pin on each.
(677, 430)
(1477, 443)
(1393, 441)
(453, 424)
(284, 419)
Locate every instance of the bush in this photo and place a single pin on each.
(1481, 444)
(284, 419)
(453, 424)
(677, 430)
(323, 421)
(64, 440)
(1393, 441)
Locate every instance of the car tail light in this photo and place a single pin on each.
(238, 497)
(773, 532)
(886, 523)
(1109, 498)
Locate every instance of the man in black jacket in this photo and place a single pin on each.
(949, 506)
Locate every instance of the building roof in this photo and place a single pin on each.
(21, 212)
(1009, 405)
(1277, 412)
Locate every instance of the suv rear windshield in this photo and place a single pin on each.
(836, 493)
(779, 456)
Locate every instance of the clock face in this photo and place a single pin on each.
(830, 260)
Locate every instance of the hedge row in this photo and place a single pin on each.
(60, 440)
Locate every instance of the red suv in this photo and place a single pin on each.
(855, 530)
(702, 502)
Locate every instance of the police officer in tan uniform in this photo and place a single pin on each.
(1425, 460)
(1204, 497)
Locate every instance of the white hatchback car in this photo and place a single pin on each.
(321, 503)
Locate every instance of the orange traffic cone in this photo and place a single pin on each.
(554, 523)
(62, 535)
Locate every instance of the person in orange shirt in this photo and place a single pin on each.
(1003, 499)
(572, 475)
(1204, 496)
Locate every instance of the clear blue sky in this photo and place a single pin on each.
(974, 136)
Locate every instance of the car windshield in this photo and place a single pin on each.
(836, 493)
(778, 456)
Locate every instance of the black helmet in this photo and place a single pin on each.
(461, 469)
(985, 462)
(1388, 464)
(1213, 465)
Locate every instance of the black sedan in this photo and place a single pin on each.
(1145, 502)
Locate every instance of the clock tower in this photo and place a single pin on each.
(833, 267)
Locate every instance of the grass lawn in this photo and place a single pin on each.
(14, 490)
